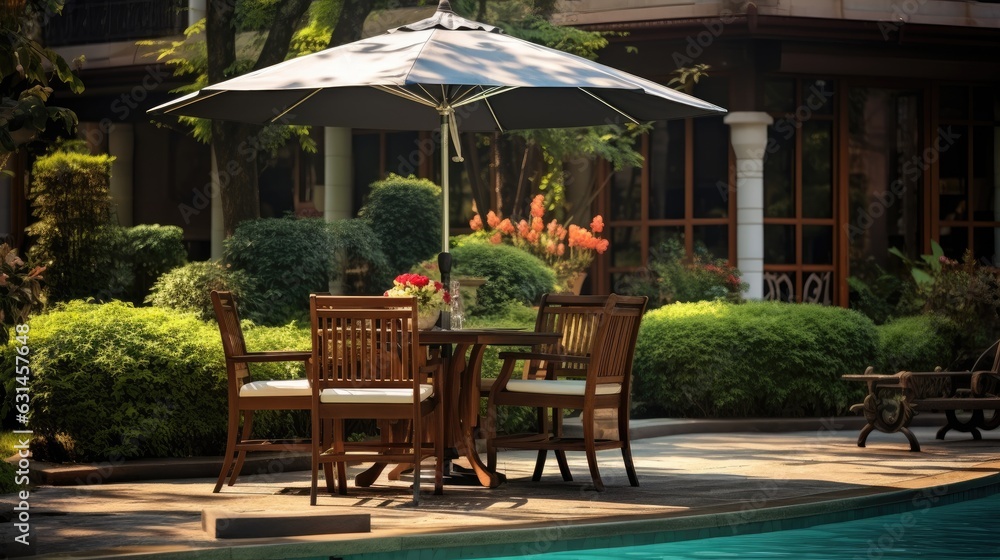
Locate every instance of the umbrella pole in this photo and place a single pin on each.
(444, 180)
(444, 259)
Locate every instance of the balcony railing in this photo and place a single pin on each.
(102, 21)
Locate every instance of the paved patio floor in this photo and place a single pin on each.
(688, 476)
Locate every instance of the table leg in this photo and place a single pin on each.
(469, 413)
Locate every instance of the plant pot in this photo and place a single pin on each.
(427, 319)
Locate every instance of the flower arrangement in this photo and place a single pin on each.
(568, 250)
(431, 295)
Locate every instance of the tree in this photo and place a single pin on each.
(26, 68)
(279, 30)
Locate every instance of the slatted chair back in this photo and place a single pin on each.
(614, 348)
(365, 342)
(577, 318)
(233, 344)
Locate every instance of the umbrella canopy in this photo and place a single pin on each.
(444, 71)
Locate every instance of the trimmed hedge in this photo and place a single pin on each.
(715, 359)
(405, 214)
(115, 382)
(151, 250)
(918, 343)
(286, 260)
(512, 275)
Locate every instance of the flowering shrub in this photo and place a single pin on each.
(672, 277)
(430, 295)
(567, 250)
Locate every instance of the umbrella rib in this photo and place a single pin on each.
(406, 94)
(492, 112)
(296, 104)
(610, 106)
(195, 100)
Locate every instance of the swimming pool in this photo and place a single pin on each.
(967, 530)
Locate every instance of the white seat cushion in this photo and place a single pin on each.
(385, 396)
(276, 388)
(560, 387)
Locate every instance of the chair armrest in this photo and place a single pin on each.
(541, 356)
(278, 356)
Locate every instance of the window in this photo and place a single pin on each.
(683, 192)
(799, 248)
(967, 146)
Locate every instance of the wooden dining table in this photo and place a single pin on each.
(463, 375)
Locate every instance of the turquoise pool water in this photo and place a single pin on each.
(965, 530)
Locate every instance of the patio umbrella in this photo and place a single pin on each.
(444, 71)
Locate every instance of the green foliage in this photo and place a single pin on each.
(511, 274)
(115, 382)
(880, 300)
(25, 71)
(405, 214)
(358, 259)
(188, 288)
(21, 292)
(716, 359)
(285, 260)
(7, 476)
(74, 235)
(918, 343)
(673, 277)
(111, 381)
(150, 251)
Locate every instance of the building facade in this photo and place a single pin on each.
(855, 127)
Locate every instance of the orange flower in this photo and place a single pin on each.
(506, 227)
(522, 228)
(602, 246)
(496, 238)
(476, 223)
(597, 224)
(492, 219)
(537, 224)
(561, 249)
(538, 206)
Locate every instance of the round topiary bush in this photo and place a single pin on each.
(113, 382)
(285, 260)
(918, 343)
(405, 214)
(511, 274)
(715, 359)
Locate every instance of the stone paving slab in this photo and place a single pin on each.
(680, 476)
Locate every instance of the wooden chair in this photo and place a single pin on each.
(577, 318)
(247, 396)
(607, 374)
(367, 363)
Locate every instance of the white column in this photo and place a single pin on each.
(196, 11)
(338, 199)
(121, 145)
(218, 228)
(748, 134)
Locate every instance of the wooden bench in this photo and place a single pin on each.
(894, 399)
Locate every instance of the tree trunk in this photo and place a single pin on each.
(236, 154)
(351, 22)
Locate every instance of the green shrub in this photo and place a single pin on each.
(511, 274)
(674, 277)
(405, 214)
(918, 343)
(358, 259)
(8, 474)
(753, 359)
(74, 235)
(151, 250)
(112, 381)
(115, 382)
(189, 288)
(285, 260)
